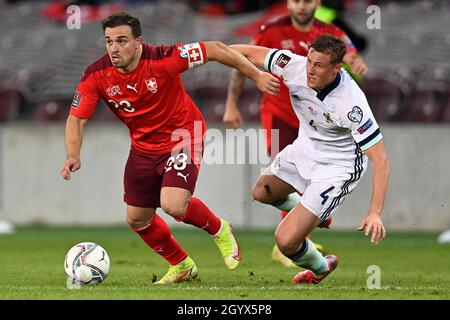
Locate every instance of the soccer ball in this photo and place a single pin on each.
(87, 263)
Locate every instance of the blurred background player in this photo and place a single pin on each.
(294, 32)
(327, 160)
(141, 84)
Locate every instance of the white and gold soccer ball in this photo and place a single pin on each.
(87, 263)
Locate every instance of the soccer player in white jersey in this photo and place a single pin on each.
(329, 156)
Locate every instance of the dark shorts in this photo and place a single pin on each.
(286, 133)
(145, 176)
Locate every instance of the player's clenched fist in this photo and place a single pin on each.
(232, 116)
(267, 83)
(70, 165)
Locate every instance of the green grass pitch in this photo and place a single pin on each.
(412, 265)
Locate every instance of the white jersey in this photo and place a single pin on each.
(336, 125)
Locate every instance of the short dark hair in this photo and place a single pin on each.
(331, 45)
(123, 19)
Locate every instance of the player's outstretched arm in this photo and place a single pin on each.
(255, 54)
(232, 116)
(217, 51)
(74, 139)
(380, 180)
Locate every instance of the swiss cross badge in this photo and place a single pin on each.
(194, 54)
(152, 85)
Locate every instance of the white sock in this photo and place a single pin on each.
(289, 203)
(309, 257)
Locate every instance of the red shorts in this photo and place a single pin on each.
(286, 132)
(145, 176)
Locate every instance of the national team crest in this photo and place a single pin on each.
(113, 90)
(328, 117)
(152, 85)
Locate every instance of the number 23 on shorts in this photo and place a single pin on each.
(178, 163)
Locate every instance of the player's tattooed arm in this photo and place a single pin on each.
(74, 139)
(256, 55)
(232, 116)
(380, 180)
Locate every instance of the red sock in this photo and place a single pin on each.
(159, 237)
(283, 214)
(198, 214)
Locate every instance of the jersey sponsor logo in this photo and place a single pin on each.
(113, 90)
(365, 126)
(76, 100)
(152, 85)
(183, 52)
(283, 60)
(355, 115)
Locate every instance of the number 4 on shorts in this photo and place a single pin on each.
(324, 194)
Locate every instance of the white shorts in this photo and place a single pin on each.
(321, 197)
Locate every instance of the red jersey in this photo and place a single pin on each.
(150, 100)
(282, 34)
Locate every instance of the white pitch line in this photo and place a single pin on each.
(216, 288)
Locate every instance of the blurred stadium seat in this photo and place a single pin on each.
(10, 102)
(103, 113)
(249, 105)
(445, 116)
(385, 99)
(46, 61)
(211, 102)
(429, 98)
(51, 111)
(422, 106)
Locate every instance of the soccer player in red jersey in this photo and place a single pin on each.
(294, 32)
(141, 84)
